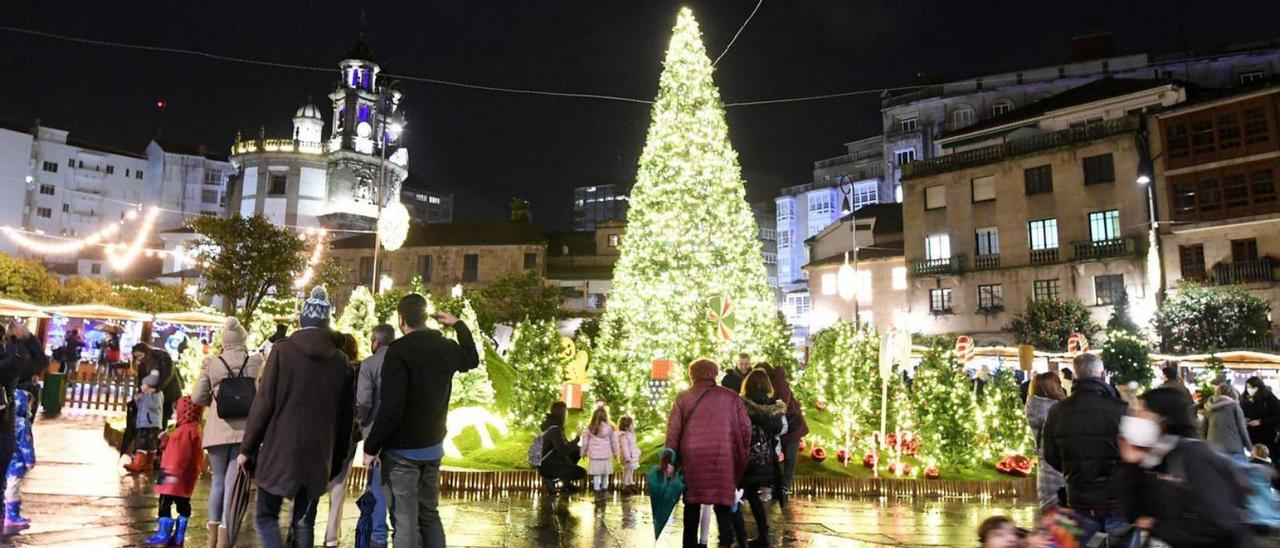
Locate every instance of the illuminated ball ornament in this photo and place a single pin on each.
(847, 282)
(393, 226)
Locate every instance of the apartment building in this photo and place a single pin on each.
(1216, 164)
(1039, 203)
(880, 297)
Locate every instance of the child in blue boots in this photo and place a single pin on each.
(24, 458)
(179, 471)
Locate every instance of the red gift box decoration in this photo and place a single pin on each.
(571, 394)
(661, 370)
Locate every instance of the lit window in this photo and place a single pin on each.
(829, 283)
(899, 278)
(1043, 234)
(937, 247)
(988, 240)
(910, 123)
(614, 239)
(1104, 225)
(433, 200)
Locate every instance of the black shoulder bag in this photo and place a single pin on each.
(235, 392)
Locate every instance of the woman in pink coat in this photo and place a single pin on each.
(710, 431)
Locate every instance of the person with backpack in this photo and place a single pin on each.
(226, 385)
(1175, 486)
(763, 475)
(555, 457)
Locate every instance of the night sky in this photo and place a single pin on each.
(487, 147)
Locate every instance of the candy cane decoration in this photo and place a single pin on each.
(1077, 344)
(965, 349)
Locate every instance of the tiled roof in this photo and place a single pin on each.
(1097, 90)
(881, 250)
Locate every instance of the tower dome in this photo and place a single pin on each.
(307, 110)
(308, 126)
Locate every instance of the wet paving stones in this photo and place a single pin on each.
(77, 495)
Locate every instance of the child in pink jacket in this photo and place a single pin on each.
(628, 453)
(597, 446)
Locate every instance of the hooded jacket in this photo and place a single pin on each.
(1079, 439)
(598, 446)
(183, 458)
(1224, 426)
(762, 461)
(234, 356)
(301, 416)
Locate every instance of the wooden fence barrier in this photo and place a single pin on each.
(97, 389)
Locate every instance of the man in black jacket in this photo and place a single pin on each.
(407, 437)
(733, 378)
(1079, 438)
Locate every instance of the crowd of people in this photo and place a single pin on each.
(1164, 466)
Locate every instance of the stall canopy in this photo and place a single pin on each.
(1235, 359)
(12, 308)
(99, 312)
(192, 318)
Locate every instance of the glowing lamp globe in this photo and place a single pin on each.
(393, 226)
(847, 282)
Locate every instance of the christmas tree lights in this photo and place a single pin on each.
(690, 237)
(1002, 418)
(945, 409)
(358, 319)
(535, 356)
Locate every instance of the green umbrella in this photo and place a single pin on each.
(664, 493)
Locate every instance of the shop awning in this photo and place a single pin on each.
(193, 317)
(98, 312)
(1238, 359)
(12, 308)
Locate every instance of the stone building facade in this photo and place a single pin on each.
(1216, 167)
(444, 255)
(1042, 203)
(881, 294)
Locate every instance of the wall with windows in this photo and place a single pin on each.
(441, 267)
(1067, 223)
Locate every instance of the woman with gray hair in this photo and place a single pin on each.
(1224, 424)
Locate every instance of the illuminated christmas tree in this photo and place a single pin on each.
(945, 409)
(1003, 418)
(358, 319)
(535, 356)
(844, 367)
(691, 240)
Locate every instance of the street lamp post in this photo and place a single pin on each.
(847, 277)
(387, 129)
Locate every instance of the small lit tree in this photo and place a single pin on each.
(1128, 358)
(358, 319)
(1003, 418)
(844, 363)
(1120, 316)
(534, 356)
(945, 408)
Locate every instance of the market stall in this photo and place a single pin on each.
(174, 331)
(108, 332)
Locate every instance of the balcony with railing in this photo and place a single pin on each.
(1245, 272)
(986, 261)
(1020, 147)
(277, 145)
(1103, 249)
(1044, 256)
(927, 267)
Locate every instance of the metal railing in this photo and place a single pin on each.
(1044, 256)
(983, 262)
(1103, 249)
(949, 265)
(1037, 143)
(1244, 272)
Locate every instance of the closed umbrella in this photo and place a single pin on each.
(664, 493)
(237, 505)
(364, 525)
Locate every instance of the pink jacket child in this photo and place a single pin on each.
(628, 450)
(598, 447)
